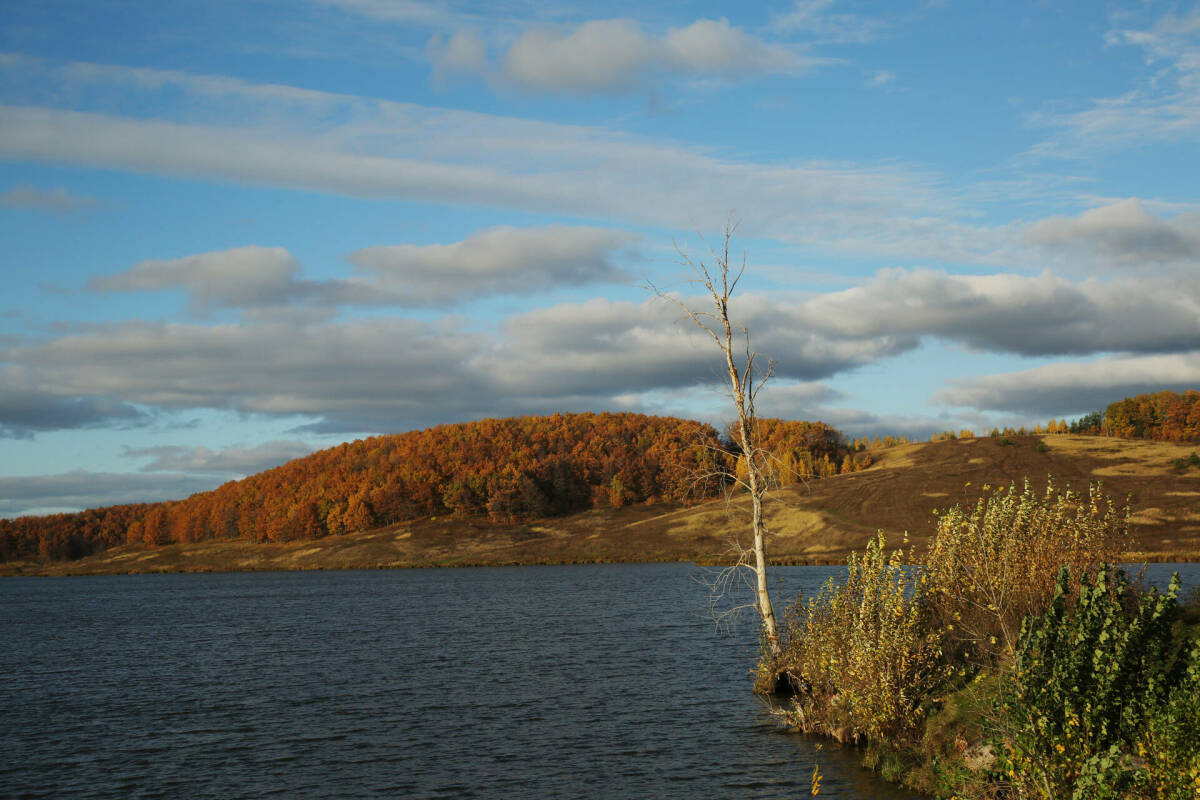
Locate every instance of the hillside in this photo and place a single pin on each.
(815, 522)
(502, 470)
(900, 492)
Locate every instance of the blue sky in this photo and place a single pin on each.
(237, 232)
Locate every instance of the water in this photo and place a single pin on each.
(590, 681)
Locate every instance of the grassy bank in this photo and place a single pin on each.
(1012, 662)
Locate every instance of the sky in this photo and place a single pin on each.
(232, 233)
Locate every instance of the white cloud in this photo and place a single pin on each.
(1164, 107)
(236, 156)
(58, 200)
(814, 18)
(462, 158)
(342, 144)
(44, 494)
(608, 55)
(464, 53)
(797, 399)
(588, 56)
(881, 78)
(497, 260)
(398, 369)
(264, 280)
(1064, 389)
(233, 461)
(388, 374)
(609, 346)
(239, 277)
(393, 374)
(715, 47)
(79, 76)
(501, 260)
(1121, 235)
(855, 422)
(599, 55)
(1035, 316)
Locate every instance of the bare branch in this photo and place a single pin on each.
(720, 280)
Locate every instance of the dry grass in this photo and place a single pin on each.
(901, 490)
(816, 523)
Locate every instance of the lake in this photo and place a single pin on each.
(606, 681)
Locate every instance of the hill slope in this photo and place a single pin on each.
(506, 470)
(817, 522)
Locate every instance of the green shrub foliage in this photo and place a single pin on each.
(1012, 663)
(1171, 741)
(1102, 702)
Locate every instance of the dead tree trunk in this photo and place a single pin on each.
(720, 280)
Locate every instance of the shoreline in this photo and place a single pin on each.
(102, 565)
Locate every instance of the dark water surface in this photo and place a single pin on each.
(589, 681)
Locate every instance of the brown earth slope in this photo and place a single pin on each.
(815, 523)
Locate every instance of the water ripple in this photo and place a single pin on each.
(600, 681)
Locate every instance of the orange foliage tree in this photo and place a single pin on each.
(507, 469)
(1164, 416)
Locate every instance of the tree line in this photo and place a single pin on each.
(1163, 416)
(503, 469)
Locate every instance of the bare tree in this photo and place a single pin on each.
(720, 279)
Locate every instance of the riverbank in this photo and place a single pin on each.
(1016, 660)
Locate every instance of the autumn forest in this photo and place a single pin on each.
(504, 470)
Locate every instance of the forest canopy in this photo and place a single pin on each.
(1162, 416)
(503, 469)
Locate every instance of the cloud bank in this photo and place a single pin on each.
(386, 373)
(1121, 235)
(36, 494)
(1076, 386)
(501, 260)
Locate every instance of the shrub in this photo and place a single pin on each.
(988, 568)
(1088, 691)
(863, 651)
(1171, 742)
(1102, 702)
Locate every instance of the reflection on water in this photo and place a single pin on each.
(590, 681)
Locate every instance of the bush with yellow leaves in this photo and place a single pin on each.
(1083, 704)
(990, 567)
(863, 651)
